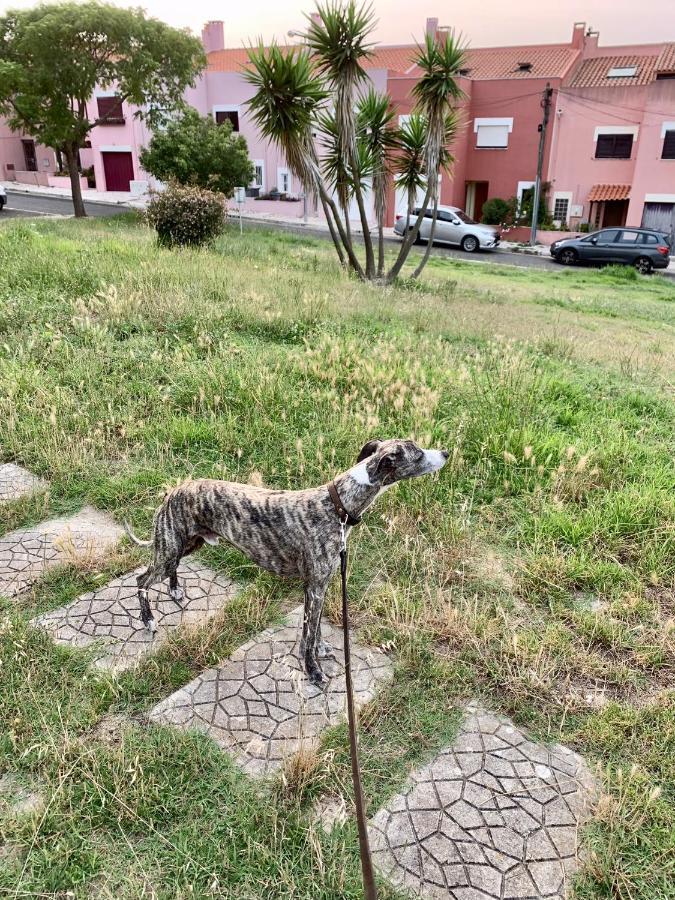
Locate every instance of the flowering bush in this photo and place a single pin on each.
(183, 215)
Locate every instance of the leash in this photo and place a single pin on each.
(368, 876)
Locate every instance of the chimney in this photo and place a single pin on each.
(591, 43)
(578, 33)
(432, 27)
(213, 36)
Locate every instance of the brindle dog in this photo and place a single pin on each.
(290, 533)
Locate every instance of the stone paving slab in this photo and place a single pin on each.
(259, 704)
(16, 482)
(110, 615)
(495, 816)
(27, 553)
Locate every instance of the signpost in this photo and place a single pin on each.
(240, 198)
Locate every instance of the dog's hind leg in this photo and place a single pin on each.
(176, 592)
(315, 593)
(156, 571)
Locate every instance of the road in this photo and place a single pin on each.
(20, 204)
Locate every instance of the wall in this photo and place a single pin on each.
(579, 111)
(652, 174)
(11, 151)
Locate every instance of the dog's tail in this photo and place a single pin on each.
(132, 537)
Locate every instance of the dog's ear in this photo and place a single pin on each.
(368, 449)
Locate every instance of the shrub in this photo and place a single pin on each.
(186, 216)
(497, 211)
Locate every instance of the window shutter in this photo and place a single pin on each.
(492, 136)
(668, 146)
(614, 146)
(110, 110)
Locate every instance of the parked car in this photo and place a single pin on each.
(639, 247)
(3, 196)
(453, 226)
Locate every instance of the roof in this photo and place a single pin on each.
(593, 72)
(609, 192)
(666, 59)
(547, 61)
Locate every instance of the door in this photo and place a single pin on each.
(479, 199)
(448, 227)
(604, 248)
(119, 171)
(29, 155)
(628, 244)
(615, 213)
(660, 217)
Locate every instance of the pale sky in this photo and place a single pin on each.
(483, 22)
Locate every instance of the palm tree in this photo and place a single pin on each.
(339, 139)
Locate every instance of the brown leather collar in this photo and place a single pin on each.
(343, 514)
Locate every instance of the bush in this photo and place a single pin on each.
(497, 211)
(186, 216)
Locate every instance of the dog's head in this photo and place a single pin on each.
(385, 462)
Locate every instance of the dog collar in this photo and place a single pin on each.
(343, 514)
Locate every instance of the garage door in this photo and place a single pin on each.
(119, 171)
(660, 217)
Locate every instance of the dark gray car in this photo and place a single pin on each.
(639, 247)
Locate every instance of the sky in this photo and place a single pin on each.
(484, 23)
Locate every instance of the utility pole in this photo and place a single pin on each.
(546, 106)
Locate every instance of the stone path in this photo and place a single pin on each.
(16, 482)
(27, 553)
(259, 705)
(110, 615)
(493, 817)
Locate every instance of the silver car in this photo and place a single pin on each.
(3, 196)
(453, 226)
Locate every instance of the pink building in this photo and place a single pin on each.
(609, 151)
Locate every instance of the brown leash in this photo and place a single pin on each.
(369, 887)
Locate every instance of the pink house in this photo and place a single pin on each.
(609, 152)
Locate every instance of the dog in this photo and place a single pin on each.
(290, 533)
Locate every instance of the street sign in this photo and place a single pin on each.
(240, 199)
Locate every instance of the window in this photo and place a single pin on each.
(228, 115)
(524, 67)
(649, 239)
(110, 110)
(622, 72)
(614, 146)
(560, 209)
(668, 151)
(258, 174)
(284, 181)
(492, 134)
(629, 237)
(608, 236)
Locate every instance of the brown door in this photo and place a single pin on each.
(480, 197)
(29, 156)
(119, 171)
(616, 212)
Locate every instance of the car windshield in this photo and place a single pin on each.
(462, 216)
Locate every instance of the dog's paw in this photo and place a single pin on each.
(151, 625)
(177, 594)
(317, 677)
(325, 651)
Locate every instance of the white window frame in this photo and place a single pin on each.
(562, 195)
(284, 170)
(113, 148)
(258, 164)
(402, 120)
(227, 107)
(616, 129)
(667, 126)
(659, 198)
(523, 186)
(493, 123)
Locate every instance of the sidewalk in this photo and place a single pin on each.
(114, 198)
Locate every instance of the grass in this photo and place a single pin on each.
(536, 574)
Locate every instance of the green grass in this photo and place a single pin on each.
(537, 571)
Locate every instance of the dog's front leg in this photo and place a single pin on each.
(314, 597)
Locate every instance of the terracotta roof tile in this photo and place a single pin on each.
(666, 60)
(593, 72)
(551, 61)
(609, 192)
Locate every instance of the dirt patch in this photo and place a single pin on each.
(110, 729)
(19, 797)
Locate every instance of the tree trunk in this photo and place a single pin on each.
(430, 242)
(367, 239)
(408, 240)
(347, 244)
(331, 227)
(70, 151)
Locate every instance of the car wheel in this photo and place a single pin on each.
(644, 265)
(568, 257)
(470, 244)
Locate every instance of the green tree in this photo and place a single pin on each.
(194, 149)
(54, 56)
(338, 136)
